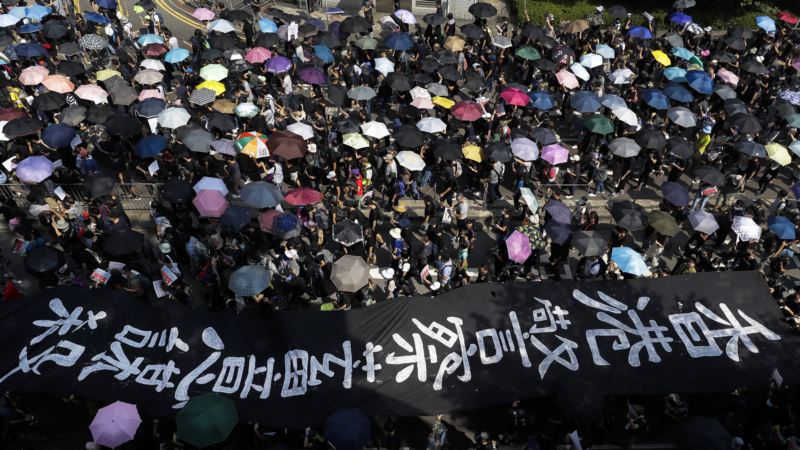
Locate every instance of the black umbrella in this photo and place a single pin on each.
(545, 65)
(675, 193)
(49, 101)
(307, 30)
(735, 106)
(211, 54)
(741, 32)
(562, 53)
(752, 65)
(744, 122)
(337, 95)
(544, 136)
(558, 232)
(736, 43)
(43, 259)
(177, 191)
(235, 218)
(236, 14)
(449, 73)
(99, 184)
(409, 136)
(445, 56)
(433, 19)
(710, 175)
(355, 24)
(223, 41)
(531, 31)
(54, 29)
(23, 126)
(617, 12)
(99, 113)
(651, 139)
(589, 243)
(482, 10)
(752, 149)
(724, 91)
(447, 150)
(124, 126)
(120, 243)
(628, 215)
(680, 147)
(499, 151)
(73, 115)
(429, 64)
(221, 122)
(70, 49)
(71, 68)
(723, 57)
(472, 31)
(267, 40)
(421, 78)
(347, 126)
(329, 40)
(398, 82)
(473, 81)
(347, 232)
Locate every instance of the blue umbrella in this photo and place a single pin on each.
(677, 74)
(678, 93)
(398, 41)
(18, 12)
(655, 98)
(683, 53)
(324, 54)
(629, 261)
(34, 169)
(150, 107)
(347, 429)
(700, 81)
(176, 55)
(267, 26)
(557, 231)
(107, 4)
(605, 51)
(796, 189)
(675, 193)
(317, 23)
(58, 135)
(286, 226)
(640, 33)
(150, 146)
(146, 39)
(680, 18)
(542, 100)
(37, 12)
(766, 24)
(235, 218)
(249, 280)
(30, 28)
(782, 227)
(29, 50)
(585, 101)
(92, 16)
(558, 211)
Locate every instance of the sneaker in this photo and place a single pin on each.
(568, 196)
(592, 194)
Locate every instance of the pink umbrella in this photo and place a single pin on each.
(515, 96)
(258, 55)
(203, 14)
(555, 154)
(519, 247)
(266, 218)
(567, 79)
(33, 75)
(92, 92)
(210, 203)
(422, 103)
(58, 83)
(150, 93)
(467, 111)
(796, 63)
(115, 424)
(302, 196)
(728, 77)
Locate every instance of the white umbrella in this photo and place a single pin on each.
(8, 20)
(579, 71)
(220, 26)
(92, 93)
(301, 129)
(501, 41)
(621, 76)
(613, 102)
(384, 66)
(627, 116)
(746, 229)
(681, 116)
(420, 92)
(247, 110)
(173, 118)
(211, 184)
(405, 16)
(152, 64)
(410, 161)
(375, 129)
(431, 125)
(591, 60)
(703, 221)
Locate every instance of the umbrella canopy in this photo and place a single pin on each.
(303, 196)
(680, 147)
(628, 215)
(43, 259)
(120, 243)
(409, 136)
(700, 81)
(215, 72)
(482, 10)
(624, 147)
(260, 194)
(287, 145)
(629, 261)
(778, 153)
(567, 79)
(23, 126)
(115, 424)
(433, 125)
(626, 116)
(347, 429)
(746, 229)
(585, 101)
(198, 140)
(678, 93)
(350, 273)
(782, 227)
(206, 420)
(377, 130)
(655, 98)
(410, 160)
(683, 117)
(703, 221)
(249, 280)
(542, 100)
(555, 154)
(177, 191)
(173, 117)
(211, 183)
(589, 243)
(58, 135)
(347, 232)
(710, 175)
(210, 203)
(515, 96)
(558, 232)
(519, 247)
(33, 75)
(675, 193)
(663, 223)
(599, 125)
(558, 211)
(150, 146)
(33, 169)
(524, 149)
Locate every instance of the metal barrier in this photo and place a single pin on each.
(133, 196)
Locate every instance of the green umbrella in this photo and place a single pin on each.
(599, 125)
(214, 72)
(529, 53)
(366, 43)
(794, 120)
(206, 420)
(663, 223)
(695, 60)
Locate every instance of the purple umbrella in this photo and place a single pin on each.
(34, 169)
(210, 203)
(278, 64)
(115, 424)
(559, 211)
(555, 154)
(312, 75)
(519, 247)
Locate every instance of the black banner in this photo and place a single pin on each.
(477, 346)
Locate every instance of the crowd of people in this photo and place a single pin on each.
(278, 143)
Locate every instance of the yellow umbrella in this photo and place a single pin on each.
(355, 140)
(105, 74)
(443, 102)
(778, 153)
(472, 152)
(454, 43)
(661, 57)
(215, 86)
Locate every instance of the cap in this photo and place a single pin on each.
(165, 247)
(331, 175)
(396, 233)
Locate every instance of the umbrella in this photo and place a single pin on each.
(366, 43)
(728, 77)
(235, 218)
(447, 150)
(788, 17)
(628, 215)
(361, 93)
(482, 10)
(215, 72)
(751, 149)
(589, 243)
(398, 82)
(682, 117)
(467, 111)
(249, 280)
(675, 193)
(33, 75)
(215, 86)
(177, 191)
(115, 424)
(599, 124)
(43, 259)
(211, 184)
(613, 102)
(678, 93)
(558, 211)
(202, 96)
(30, 50)
(754, 66)
(355, 25)
(433, 19)
(409, 136)
(640, 33)
(555, 154)
(792, 119)
(519, 247)
(710, 175)
(398, 41)
(347, 232)
(703, 221)
(49, 101)
(58, 135)
(73, 115)
(260, 194)
(8, 20)
(150, 107)
(515, 96)
(210, 203)
(651, 139)
(782, 227)
(99, 114)
(629, 261)
(198, 140)
(700, 81)
(621, 76)
(655, 98)
(312, 75)
(287, 145)
(219, 121)
(725, 92)
(432, 125)
(680, 147)
(663, 223)
(524, 149)
(203, 14)
(246, 110)
(375, 129)
(99, 184)
(585, 101)
(542, 100)
(301, 129)
(410, 160)
(605, 51)
(746, 229)
(626, 115)
(624, 147)
(206, 420)
(472, 152)
(173, 117)
(283, 225)
(221, 26)
(176, 55)
(443, 102)
(119, 243)
(591, 60)
(350, 273)
(499, 151)
(744, 123)
(23, 126)
(529, 53)
(680, 18)
(303, 196)
(472, 31)
(93, 42)
(677, 74)
(567, 79)
(94, 93)
(576, 26)
(558, 232)
(124, 126)
(33, 169)
(55, 29)
(150, 146)
(778, 153)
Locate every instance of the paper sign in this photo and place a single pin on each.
(115, 265)
(59, 191)
(168, 275)
(100, 276)
(530, 199)
(153, 168)
(9, 164)
(158, 287)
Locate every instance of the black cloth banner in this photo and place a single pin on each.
(477, 346)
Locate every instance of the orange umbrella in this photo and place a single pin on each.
(58, 83)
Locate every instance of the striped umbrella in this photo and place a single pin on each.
(253, 144)
(202, 96)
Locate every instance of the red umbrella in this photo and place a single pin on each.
(788, 17)
(467, 111)
(515, 96)
(154, 50)
(10, 114)
(302, 196)
(266, 218)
